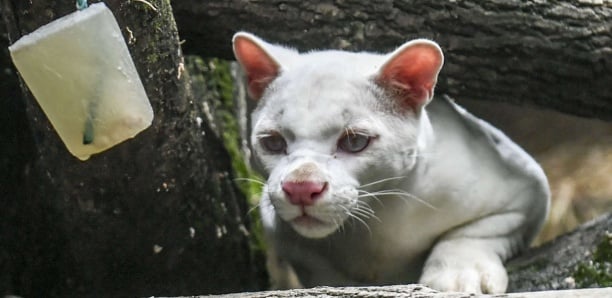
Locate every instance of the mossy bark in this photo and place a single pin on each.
(553, 54)
(157, 215)
(409, 291)
(580, 259)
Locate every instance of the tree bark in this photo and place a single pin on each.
(411, 291)
(553, 54)
(156, 215)
(16, 152)
(580, 259)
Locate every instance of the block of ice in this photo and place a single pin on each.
(80, 71)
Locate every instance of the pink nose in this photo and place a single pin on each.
(304, 193)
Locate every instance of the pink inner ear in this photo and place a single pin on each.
(411, 74)
(261, 69)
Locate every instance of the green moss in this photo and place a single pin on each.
(230, 130)
(598, 271)
(214, 75)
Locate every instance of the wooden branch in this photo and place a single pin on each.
(554, 54)
(575, 260)
(411, 291)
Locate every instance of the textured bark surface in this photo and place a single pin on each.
(412, 291)
(156, 215)
(554, 54)
(580, 259)
(16, 151)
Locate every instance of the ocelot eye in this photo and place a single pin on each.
(274, 143)
(353, 142)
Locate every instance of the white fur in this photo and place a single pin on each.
(461, 197)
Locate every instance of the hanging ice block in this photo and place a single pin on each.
(81, 73)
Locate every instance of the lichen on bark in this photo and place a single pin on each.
(596, 272)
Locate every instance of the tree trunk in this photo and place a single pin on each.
(156, 215)
(16, 152)
(554, 54)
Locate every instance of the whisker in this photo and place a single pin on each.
(335, 220)
(369, 194)
(362, 222)
(381, 181)
(252, 209)
(359, 212)
(263, 204)
(365, 216)
(400, 193)
(362, 208)
(250, 180)
(374, 217)
(422, 154)
(367, 212)
(355, 217)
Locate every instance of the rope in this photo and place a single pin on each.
(81, 4)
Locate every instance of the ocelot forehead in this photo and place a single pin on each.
(319, 104)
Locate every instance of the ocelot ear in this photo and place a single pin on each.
(410, 73)
(260, 67)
